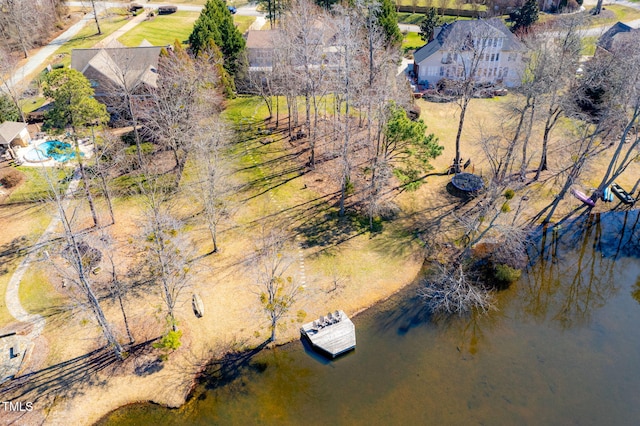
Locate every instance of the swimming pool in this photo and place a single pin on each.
(56, 150)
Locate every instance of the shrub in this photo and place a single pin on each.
(11, 179)
(170, 341)
(506, 274)
(506, 208)
(509, 194)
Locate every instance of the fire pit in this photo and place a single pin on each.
(467, 182)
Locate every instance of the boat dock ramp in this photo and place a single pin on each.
(334, 333)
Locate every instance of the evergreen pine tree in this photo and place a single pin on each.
(429, 24)
(526, 16)
(216, 23)
(388, 20)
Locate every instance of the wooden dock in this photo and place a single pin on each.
(334, 333)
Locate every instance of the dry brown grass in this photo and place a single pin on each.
(346, 267)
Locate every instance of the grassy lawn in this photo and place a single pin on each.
(37, 294)
(410, 18)
(417, 18)
(411, 41)
(624, 13)
(87, 37)
(451, 4)
(162, 29)
(35, 187)
(243, 22)
(589, 45)
(24, 225)
(33, 104)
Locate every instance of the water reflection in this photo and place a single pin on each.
(573, 267)
(562, 349)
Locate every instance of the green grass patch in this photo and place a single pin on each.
(412, 41)
(243, 22)
(36, 187)
(410, 18)
(33, 104)
(87, 37)
(623, 13)
(162, 29)
(37, 294)
(589, 45)
(451, 4)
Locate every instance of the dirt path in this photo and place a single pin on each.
(12, 295)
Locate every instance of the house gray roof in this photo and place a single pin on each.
(136, 64)
(607, 40)
(462, 29)
(9, 130)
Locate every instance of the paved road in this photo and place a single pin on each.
(35, 62)
(247, 10)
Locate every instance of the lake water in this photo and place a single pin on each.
(563, 349)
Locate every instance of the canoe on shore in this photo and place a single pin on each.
(623, 195)
(582, 197)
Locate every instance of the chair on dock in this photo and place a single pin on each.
(322, 321)
(336, 314)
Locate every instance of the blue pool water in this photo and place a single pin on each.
(59, 151)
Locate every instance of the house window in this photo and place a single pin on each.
(441, 71)
(497, 56)
(493, 57)
(495, 42)
(512, 57)
(432, 71)
(506, 72)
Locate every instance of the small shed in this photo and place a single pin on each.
(13, 133)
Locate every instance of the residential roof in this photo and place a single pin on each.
(9, 130)
(462, 29)
(135, 64)
(607, 39)
(257, 39)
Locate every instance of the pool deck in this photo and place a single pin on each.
(85, 147)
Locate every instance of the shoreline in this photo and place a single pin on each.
(124, 388)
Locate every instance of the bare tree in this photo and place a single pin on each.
(468, 49)
(80, 259)
(185, 93)
(212, 187)
(166, 248)
(452, 290)
(95, 16)
(349, 49)
(556, 55)
(306, 34)
(277, 291)
(623, 87)
(9, 79)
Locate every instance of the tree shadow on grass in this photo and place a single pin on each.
(220, 373)
(67, 378)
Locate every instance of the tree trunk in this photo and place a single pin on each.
(95, 16)
(463, 111)
(85, 180)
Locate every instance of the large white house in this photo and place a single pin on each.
(484, 50)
